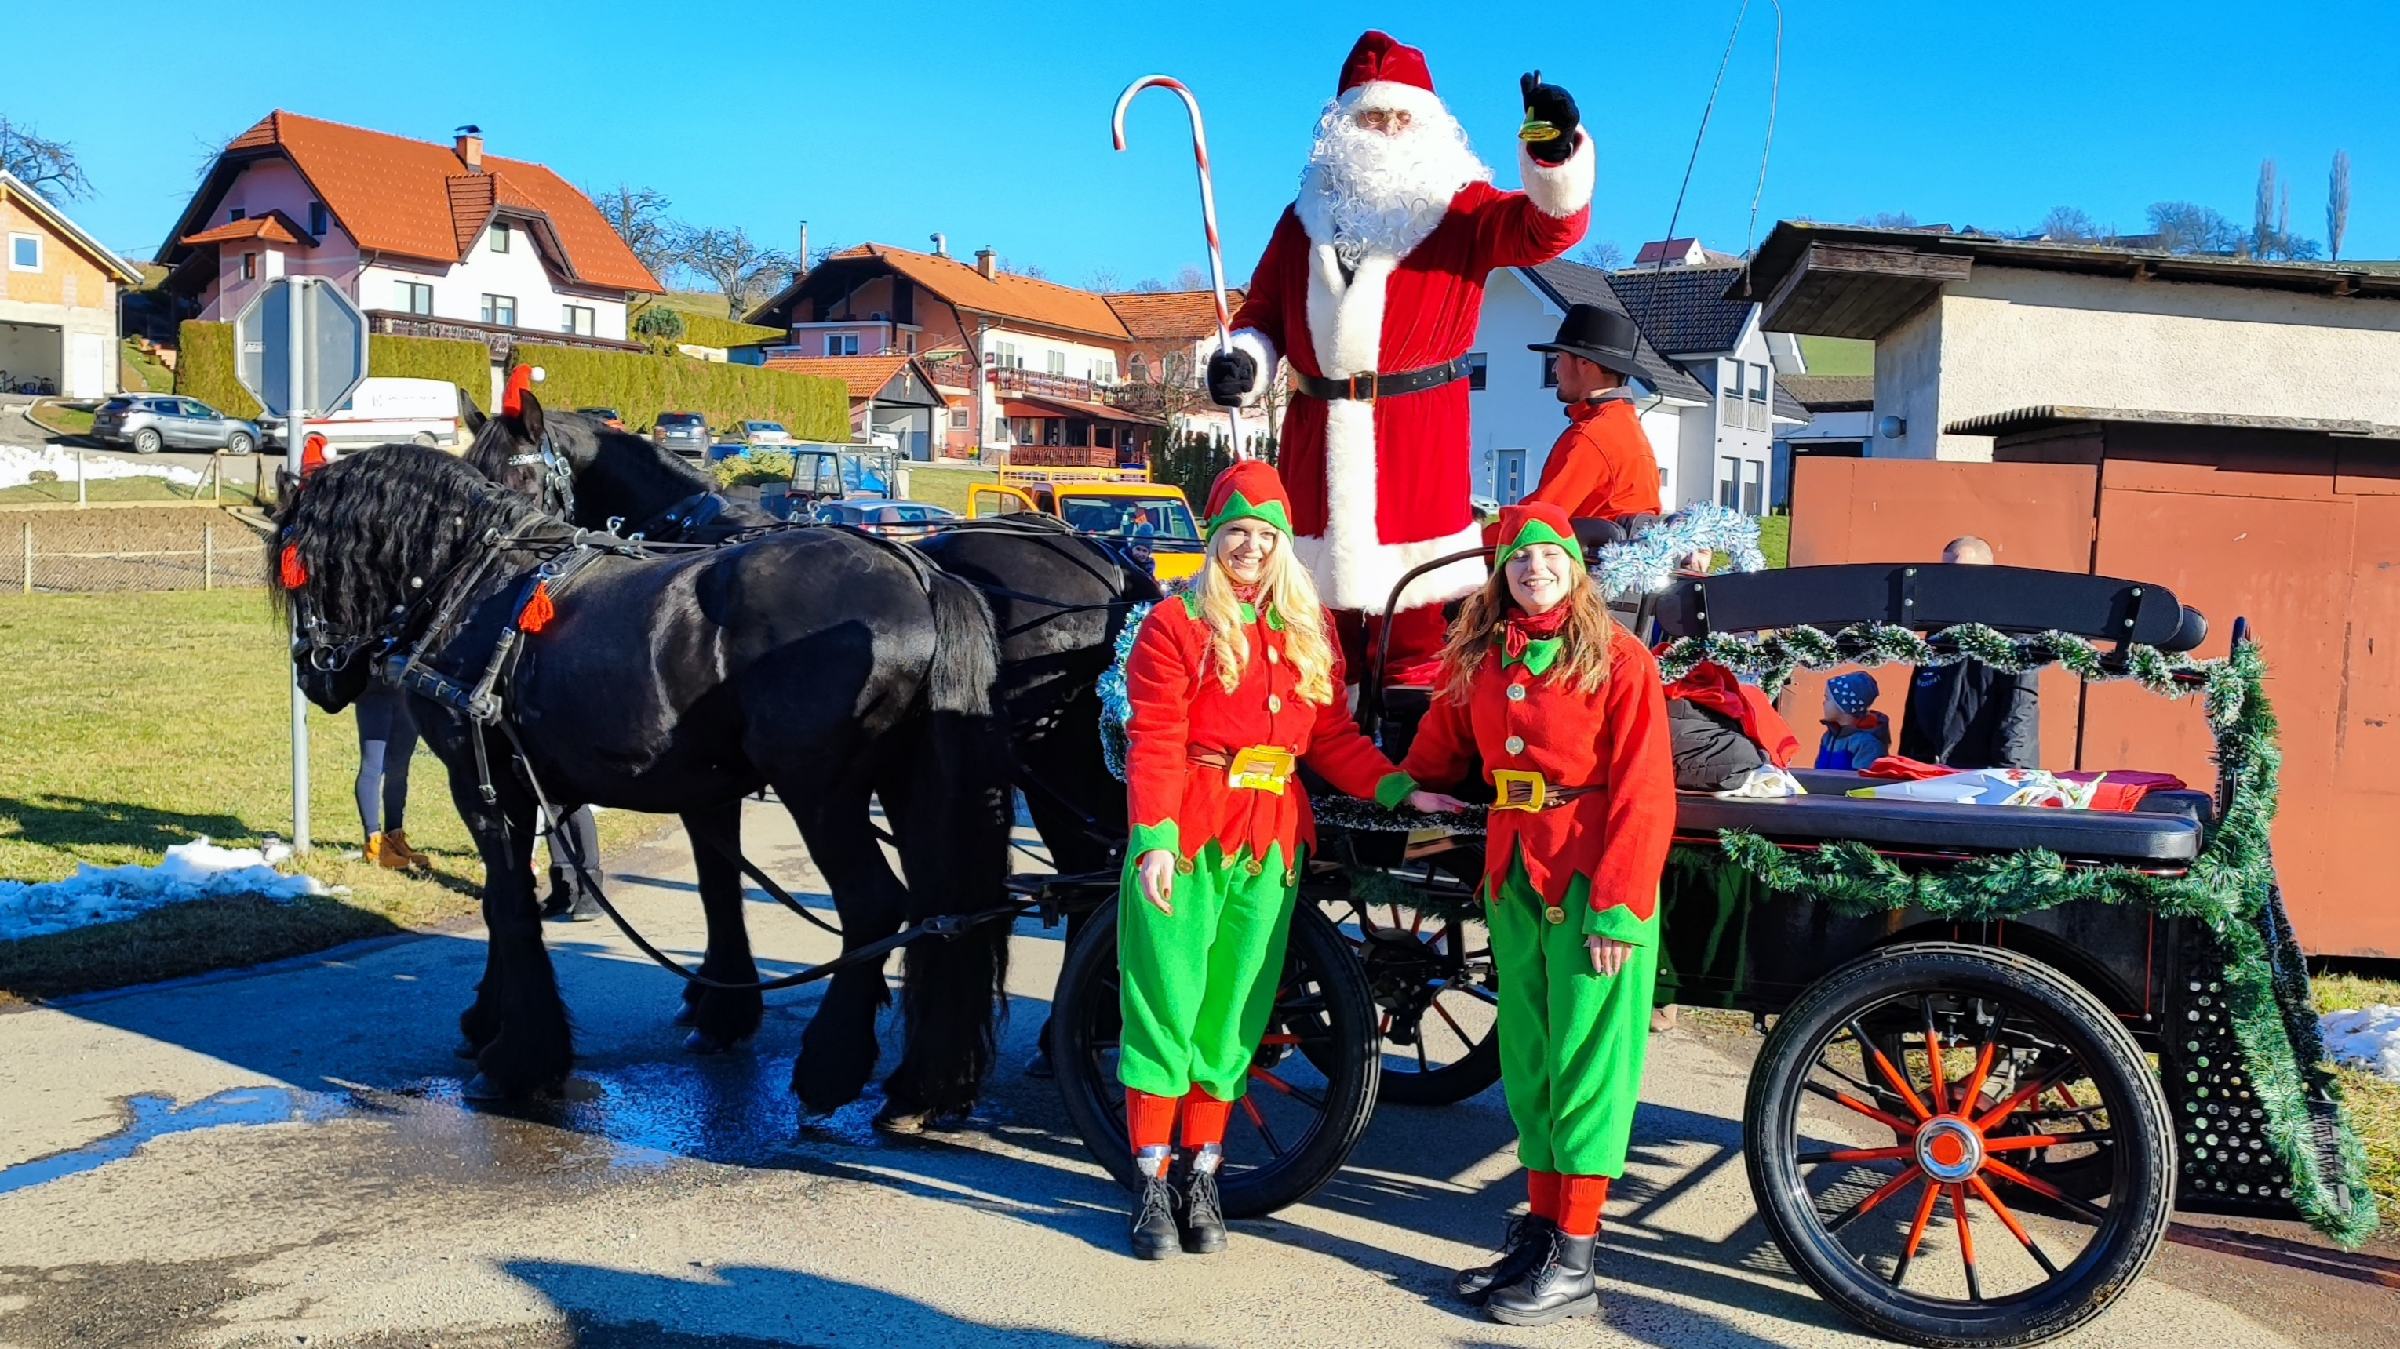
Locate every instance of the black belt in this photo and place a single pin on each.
(1368, 387)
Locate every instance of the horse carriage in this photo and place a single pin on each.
(2057, 1025)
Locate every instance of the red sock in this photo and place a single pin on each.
(1150, 1120)
(1580, 1200)
(1204, 1119)
(1542, 1188)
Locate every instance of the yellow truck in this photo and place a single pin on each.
(1123, 503)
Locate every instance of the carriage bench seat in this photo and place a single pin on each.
(2166, 829)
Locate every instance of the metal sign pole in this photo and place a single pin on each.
(295, 417)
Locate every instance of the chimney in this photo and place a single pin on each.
(987, 262)
(469, 147)
(941, 245)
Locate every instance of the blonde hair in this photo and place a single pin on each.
(1285, 590)
(1483, 625)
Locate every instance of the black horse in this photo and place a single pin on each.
(826, 664)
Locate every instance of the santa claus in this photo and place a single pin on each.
(1371, 286)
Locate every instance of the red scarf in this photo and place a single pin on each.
(1246, 594)
(1525, 629)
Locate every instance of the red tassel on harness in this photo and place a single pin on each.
(291, 570)
(538, 610)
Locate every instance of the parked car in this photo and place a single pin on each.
(605, 416)
(755, 434)
(682, 432)
(153, 422)
(383, 410)
(893, 519)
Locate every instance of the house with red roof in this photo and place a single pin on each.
(431, 240)
(891, 395)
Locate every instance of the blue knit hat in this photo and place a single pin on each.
(1853, 693)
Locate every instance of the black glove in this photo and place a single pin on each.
(1548, 105)
(1231, 375)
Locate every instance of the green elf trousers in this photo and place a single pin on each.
(1197, 986)
(1571, 1041)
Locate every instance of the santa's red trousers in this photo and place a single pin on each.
(1415, 654)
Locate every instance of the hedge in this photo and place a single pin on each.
(707, 330)
(204, 365)
(640, 387)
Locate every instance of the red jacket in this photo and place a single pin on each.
(1615, 737)
(1602, 467)
(1179, 707)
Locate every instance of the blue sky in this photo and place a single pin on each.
(890, 121)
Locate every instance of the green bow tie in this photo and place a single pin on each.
(1540, 654)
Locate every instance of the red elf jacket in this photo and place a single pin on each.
(1615, 738)
(1179, 709)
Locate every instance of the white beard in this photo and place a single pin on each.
(1366, 192)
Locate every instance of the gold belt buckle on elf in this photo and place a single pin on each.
(1517, 789)
(1261, 768)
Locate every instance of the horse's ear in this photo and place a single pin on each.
(529, 418)
(469, 415)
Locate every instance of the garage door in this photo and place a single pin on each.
(87, 366)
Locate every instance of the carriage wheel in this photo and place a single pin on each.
(1914, 1196)
(1437, 1002)
(1296, 1126)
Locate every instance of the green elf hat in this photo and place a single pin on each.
(1250, 490)
(1533, 522)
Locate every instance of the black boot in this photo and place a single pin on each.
(570, 901)
(1528, 1238)
(1560, 1285)
(1155, 1232)
(1202, 1224)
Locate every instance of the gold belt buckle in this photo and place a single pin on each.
(1517, 789)
(1262, 768)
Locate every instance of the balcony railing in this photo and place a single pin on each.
(501, 339)
(1141, 400)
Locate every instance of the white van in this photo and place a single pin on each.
(385, 410)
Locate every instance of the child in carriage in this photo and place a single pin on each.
(1856, 735)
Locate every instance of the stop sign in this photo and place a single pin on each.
(330, 347)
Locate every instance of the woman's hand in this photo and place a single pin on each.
(1609, 955)
(1434, 803)
(1156, 870)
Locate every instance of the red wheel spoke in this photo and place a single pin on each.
(2043, 1188)
(1259, 1122)
(1889, 1188)
(2067, 1094)
(2029, 1142)
(1279, 1038)
(1898, 1154)
(1842, 1098)
(1387, 1024)
(1278, 1085)
(1983, 1191)
(1891, 1074)
(2017, 1101)
(1460, 1031)
(1966, 1240)
(1419, 925)
(1933, 1063)
(1916, 1233)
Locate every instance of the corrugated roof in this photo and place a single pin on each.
(1830, 393)
(1683, 309)
(1002, 295)
(1573, 283)
(1171, 313)
(395, 195)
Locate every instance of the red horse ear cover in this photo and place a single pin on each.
(291, 570)
(512, 401)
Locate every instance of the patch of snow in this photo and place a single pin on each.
(191, 871)
(2368, 1037)
(18, 463)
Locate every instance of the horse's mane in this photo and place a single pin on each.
(379, 529)
(582, 441)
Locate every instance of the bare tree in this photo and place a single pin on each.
(1889, 220)
(818, 254)
(1191, 278)
(2263, 232)
(2071, 225)
(2187, 227)
(1103, 279)
(2337, 204)
(639, 216)
(733, 263)
(47, 166)
(1149, 285)
(1602, 254)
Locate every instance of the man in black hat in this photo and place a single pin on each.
(1603, 466)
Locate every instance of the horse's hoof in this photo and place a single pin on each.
(687, 1014)
(701, 1042)
(480, 1088)
(901, 1124)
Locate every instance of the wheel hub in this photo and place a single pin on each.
(1949, 1148)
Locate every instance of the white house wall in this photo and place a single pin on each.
(1515, 411)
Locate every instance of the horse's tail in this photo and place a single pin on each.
(952, 825)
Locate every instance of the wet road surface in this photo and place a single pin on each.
(283, 1158)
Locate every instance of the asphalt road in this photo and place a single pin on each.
(281, 1158)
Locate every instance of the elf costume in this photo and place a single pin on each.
(1577, 841)
(1209, 778)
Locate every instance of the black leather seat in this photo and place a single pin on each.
(2166, 827)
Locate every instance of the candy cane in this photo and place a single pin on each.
(1208, 217)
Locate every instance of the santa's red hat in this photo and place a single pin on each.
(1384, 72)
(520, 380)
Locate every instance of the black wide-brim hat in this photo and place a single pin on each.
(1604, 337)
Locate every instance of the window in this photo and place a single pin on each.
(1754, 487)
(576, 319)
(1729, 480)
(1475, 370)
(1137, 369)
(1104, 371)
(500, 233)
(416, 297)
(1758, 398)
(233, 213)
(318, 220)
(1057, 362)
(958, 419)
(501, 310)
(249, 266)
(1104, 438)
(841, 344)
(1000, 430)
(1729, 399)
(1549, 369)
(908, 344)
(1005, 357)
(24, 252)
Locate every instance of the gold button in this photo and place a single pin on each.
(1290, 879)
(1515, 744)
(1254, 866)
(1183, 866)
(1274, 703)
(1516, 693)
(1555, 914)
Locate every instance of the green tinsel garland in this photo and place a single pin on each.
(1769, 658)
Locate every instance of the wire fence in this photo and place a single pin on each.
(74, 552)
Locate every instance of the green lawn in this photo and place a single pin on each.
(62, 419)
(140, 371)
(1775, 539)
(143, 488)
(946, 486)
(2374, 1102)
(139, 721)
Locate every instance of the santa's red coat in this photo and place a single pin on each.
(1379, 487)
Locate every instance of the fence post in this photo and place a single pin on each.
(26, 580)
(80, 499)
(208, 555)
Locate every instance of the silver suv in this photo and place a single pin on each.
(153, 422)
(683, 432)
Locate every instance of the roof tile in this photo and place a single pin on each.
(1150, 315)
(864, 376)
(275, 227)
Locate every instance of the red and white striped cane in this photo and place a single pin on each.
(1208, 217)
